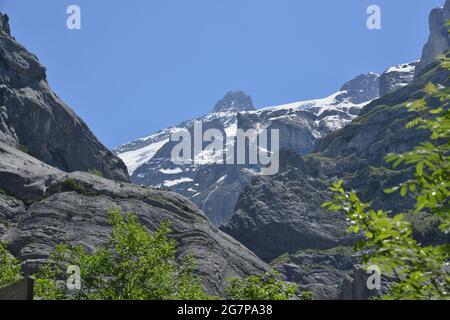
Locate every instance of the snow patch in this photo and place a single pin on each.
(405, 68)
(221, 179)
(136, 158)
(171, 171)
(171, 183)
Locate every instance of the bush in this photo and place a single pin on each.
(265, 287)
(9, 267)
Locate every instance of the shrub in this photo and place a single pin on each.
(9, 267)
(265, 287)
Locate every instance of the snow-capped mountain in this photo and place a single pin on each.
(224, 115)
(215, 188)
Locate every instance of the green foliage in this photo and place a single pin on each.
(265, 287)
(133, 265)
(421, 272)
(71, 185)
(9, 267)
(95, 172)
(431, 184)
(306, 295)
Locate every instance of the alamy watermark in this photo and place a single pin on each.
(373, 22)
(74, 280)
(374, 280)
(254, 147)
(374, 19)
(73, 21)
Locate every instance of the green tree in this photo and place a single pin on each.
(420, 272)
(9, 267)
(265, 287)
(133, 265)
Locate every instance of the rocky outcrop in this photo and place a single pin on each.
(41, 206)
(354, 286)
(321, 272)
(282, 213)
(397, 77)
(35, 119)
(4, 24)
(380, 127)
(363, 88)
(438, 41)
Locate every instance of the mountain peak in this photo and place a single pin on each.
(361, 89)
(234, 101)
(4, 24)
(439, 40)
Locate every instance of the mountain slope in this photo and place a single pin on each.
(33, 118)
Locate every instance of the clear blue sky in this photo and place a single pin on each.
(141, 65)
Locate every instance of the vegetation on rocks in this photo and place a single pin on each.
(133, 265)
(265, 287)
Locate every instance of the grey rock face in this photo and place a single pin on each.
(354, 286)
(438, 41)
(34, 118)
(397, 77)
(38, 210)
(11, 210)
(320, 271)
(379, 129)
(234, 101)
(361, 89)
(280, 214)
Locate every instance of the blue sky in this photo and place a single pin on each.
(140, 65)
